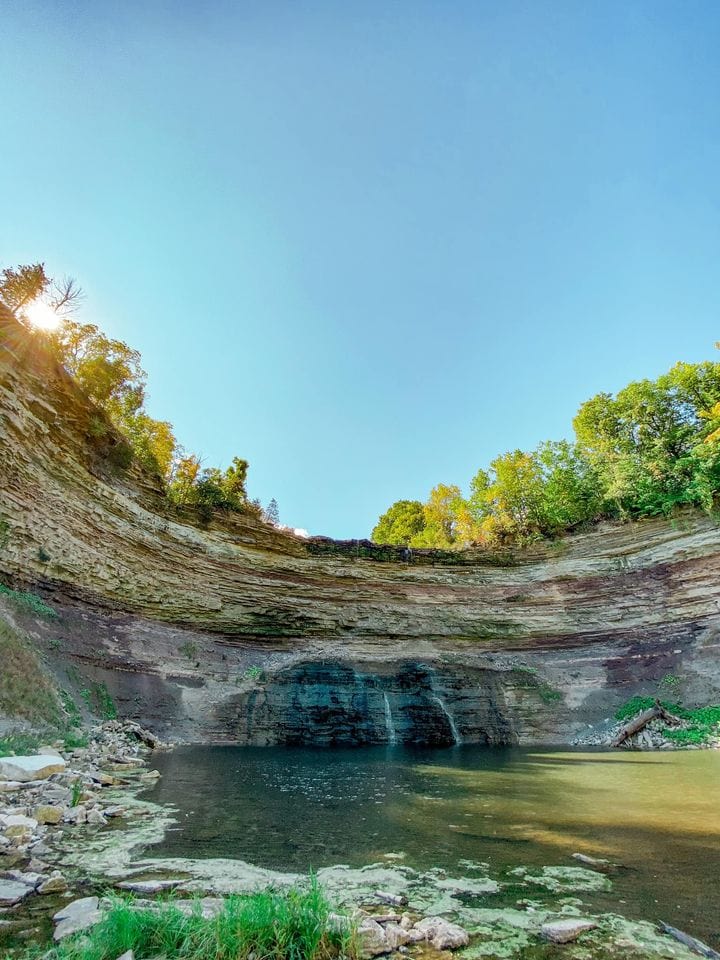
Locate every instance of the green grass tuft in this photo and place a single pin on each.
(272, 925)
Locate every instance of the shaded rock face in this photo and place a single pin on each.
(233, 631)
(339, 704)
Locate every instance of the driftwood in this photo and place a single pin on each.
(697, 946)
(641, 721)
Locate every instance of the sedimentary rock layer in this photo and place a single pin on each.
(235, 630)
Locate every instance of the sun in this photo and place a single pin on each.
(42, 316)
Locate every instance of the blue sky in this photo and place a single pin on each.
(368, 246)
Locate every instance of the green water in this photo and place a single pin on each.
(297, 809)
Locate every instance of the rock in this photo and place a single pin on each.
(54, 884)
(24, 769)
(12, 892)
(372, 937)
(396, 936)
(566, 931)
(8, 821)
(103, 779)
(96, 818)
(442, 934)
(48, 814)
(148, 886)
(76, 916)
(128, 955)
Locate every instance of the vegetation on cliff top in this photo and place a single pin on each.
(649, 449)
(110, 374)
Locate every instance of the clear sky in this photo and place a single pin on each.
(369, 245)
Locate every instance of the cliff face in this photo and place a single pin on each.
(240, 632)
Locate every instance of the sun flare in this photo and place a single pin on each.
(42, 316)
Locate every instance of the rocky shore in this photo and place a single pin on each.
(75, 826)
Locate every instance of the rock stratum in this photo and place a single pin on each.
(232, 630)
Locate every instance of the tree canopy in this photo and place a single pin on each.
(652, 447)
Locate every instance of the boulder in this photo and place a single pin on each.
(48, 814)
(76, 916)
(12, 892)
(54, 884)
(372, 938)
(442, 934)
(396, 935)
(566, 931)
(24, 769)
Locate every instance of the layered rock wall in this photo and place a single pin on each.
(236, 631)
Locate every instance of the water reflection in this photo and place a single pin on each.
(297, 809)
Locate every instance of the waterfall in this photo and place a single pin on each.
(389, 724)
(451, 720)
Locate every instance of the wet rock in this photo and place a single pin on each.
(566, 931)
(95, 818)
(442, 934)
(25, 769)
(373, 938)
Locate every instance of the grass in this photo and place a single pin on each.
(26, 692)
(270, 925)
(29, 601)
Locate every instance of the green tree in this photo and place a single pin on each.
(399, 525)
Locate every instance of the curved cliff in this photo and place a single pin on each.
(237, 631)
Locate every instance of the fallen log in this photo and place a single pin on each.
(697, 946)
(639, 722)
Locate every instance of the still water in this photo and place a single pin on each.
(297, 809)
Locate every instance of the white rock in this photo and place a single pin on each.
(565, 931)
(373, 939)
(442, 934)
(396, 935)
(24, 769)
(128, 955)
(17, 820)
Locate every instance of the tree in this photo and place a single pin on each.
(440, 512)
(272, 514)
(22, 286)
(400, 524)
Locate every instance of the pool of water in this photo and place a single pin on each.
(297, 809)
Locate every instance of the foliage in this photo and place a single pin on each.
(291, 925)
(19, 744)
(399, 525)
(110, 374)
(97, 698)
(30, 601)
(633, 706)
(653, 447)
(271, 514)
